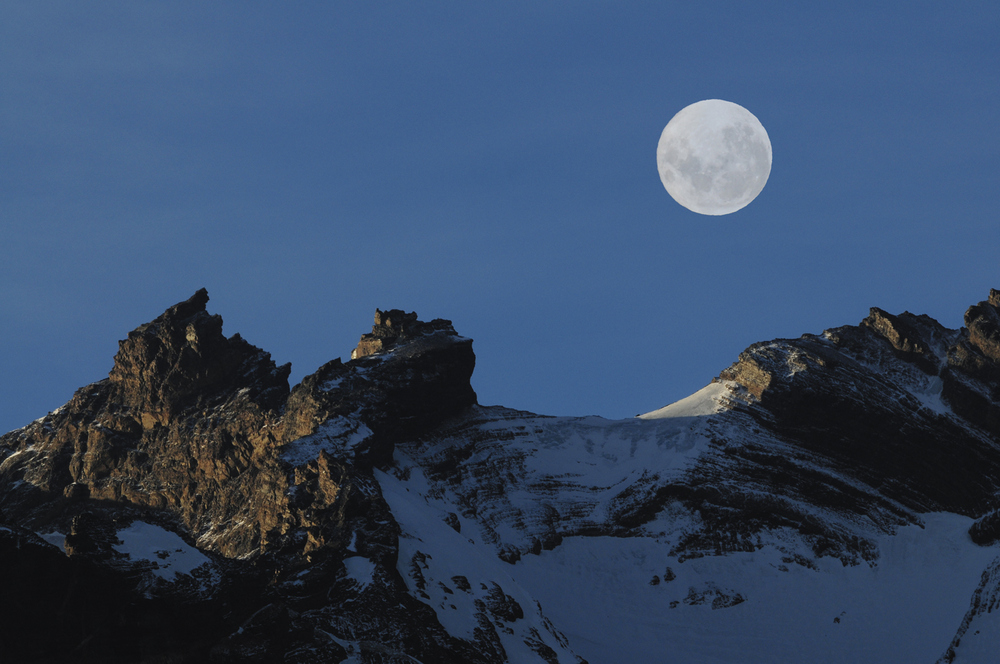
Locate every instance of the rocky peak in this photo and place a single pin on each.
(983, 323)
(867, 395)
(205, 427)
(182, 360)
(972, 382)
(914, 338)
(394, 327)
(398, 394)
(895, 329)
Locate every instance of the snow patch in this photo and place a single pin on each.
(55, 539)
(360, 570)
(929, 394)
(170, 554)
(457, 575)
(337, 436)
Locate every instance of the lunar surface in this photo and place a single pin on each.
(714, 157)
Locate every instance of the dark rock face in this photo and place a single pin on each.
(826, 400)
(972, 386)
(76, 608)
(398, 395)
(986, 529)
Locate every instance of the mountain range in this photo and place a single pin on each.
(831, 498)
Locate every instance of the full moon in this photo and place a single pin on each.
(714, 157)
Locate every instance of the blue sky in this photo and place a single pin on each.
(493, 164)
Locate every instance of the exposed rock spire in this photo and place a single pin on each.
(394, 327)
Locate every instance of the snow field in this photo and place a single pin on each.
(904, 609)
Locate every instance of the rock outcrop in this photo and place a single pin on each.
(394, 327)
(181, 364)
(398, 394)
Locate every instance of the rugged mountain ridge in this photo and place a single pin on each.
(376, 512)
(199, 434)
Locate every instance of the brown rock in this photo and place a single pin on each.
(748, 372)
(393, 327)
(983, 323)
(188, 421)
(972, 380)
(182, 361)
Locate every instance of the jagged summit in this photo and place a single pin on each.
(196, 436)
(394, 327)
(376, 512)
(182, 361)
(897, 402)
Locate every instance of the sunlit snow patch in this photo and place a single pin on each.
(705, 401)
(171, 554)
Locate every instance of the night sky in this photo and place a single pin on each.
(493, 164)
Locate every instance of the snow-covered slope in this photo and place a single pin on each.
(622, 594)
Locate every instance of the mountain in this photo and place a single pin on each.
(831, 498)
